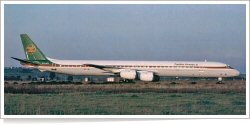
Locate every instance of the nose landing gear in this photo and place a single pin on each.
(219, 80)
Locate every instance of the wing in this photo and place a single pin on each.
(113, 70)
(106, 68)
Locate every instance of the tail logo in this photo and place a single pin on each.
(31, 49)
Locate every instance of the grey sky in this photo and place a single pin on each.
(130, 32)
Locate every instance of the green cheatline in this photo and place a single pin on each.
(32, 52)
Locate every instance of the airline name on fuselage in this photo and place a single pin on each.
(185, 64)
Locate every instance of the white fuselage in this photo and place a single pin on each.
(160, 68)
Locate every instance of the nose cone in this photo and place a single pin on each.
(236, 73)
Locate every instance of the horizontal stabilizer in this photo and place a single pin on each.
(24, 61)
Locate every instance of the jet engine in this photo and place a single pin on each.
(128, 74)
(140, 75)
(148, 76)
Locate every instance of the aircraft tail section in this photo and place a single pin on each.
(32, 52)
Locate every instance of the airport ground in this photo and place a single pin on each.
(182, 97)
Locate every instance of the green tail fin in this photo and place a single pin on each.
(32, 52)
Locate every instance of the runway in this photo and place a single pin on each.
(178, 86)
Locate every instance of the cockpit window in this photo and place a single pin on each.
(229, 67)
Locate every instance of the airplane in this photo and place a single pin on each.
(149, 71)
